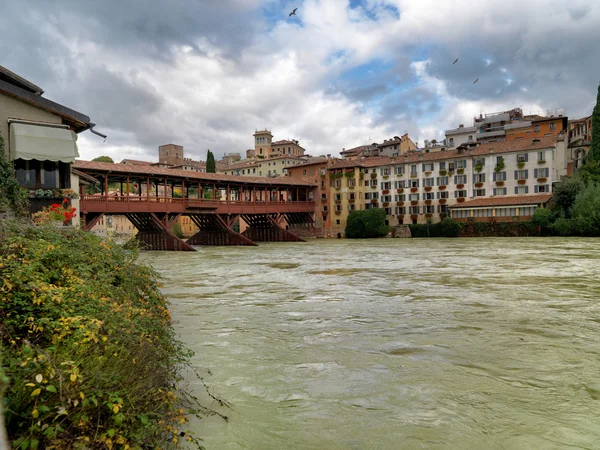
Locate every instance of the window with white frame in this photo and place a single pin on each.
(400, 198)
(400, 184)
(428, 182)
(413, 170)
(385, 171)
(442, 181)
(442, 194)
(427, 167)
(386, 198)
(522, 157)
(499, 176)
(413, 197)
(552, 126)
(542, 155)
(520, 190)
(414, 183)
(387, 185)
(536, 128)
(461, 164)
(428, 196)
(429, 209)
(478, 192)
(542, 188)
(373, 183)
(541, 173)
(462, 193)
(442, 208)
(414, 209)
(479, 178)
(521, 174)
(400, 210)
(351, 182)
(500, 191)
(460, 179)
(442, 165)
(399, 170)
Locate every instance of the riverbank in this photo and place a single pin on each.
(87, 345)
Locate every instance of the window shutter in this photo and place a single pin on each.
(483, 177)
(526, 174)
(494, 176)
(535, 173)
(526, 157)
(536, 189)
(527, 189)
(516, 174)
(516, 190)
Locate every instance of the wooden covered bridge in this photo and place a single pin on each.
(153, 198)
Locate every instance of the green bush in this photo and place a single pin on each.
(586, 211)
(369, 223)
(446, 228)
(11, 195)
(177, 230)
(87, 343)
(450, 228)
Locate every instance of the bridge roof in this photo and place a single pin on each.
(100, 168)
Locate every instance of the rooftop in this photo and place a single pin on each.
(525, 200)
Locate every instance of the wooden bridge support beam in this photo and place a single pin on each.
(267, 228)
(154, 235)
(214, 230)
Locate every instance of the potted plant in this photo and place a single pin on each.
(520, 164)
(442, 188)
(541, 161)
(443, 173)
(499, 166)
(460, 186)
(429, 215)
(385, 204)
(428, 188)
(460, 171)
(428, 202)
(373, 201)
(400, 191)
(338, 213)
(460, 199)
(443, 215)
(385, 192)
(478, 167)
(400, 204)
(478, 185)
(59, 214)
(414, 189)
(414, 202)
(351, 200)
(373, 175)
(414, 216)
(499, 183)
(427, 174)
(442, 201)
(522, 181)
(542, 180)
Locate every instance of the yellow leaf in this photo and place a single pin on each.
(39, 378)
(116, 409)
(73, 376)
(35, 413)
(36, 392)
(30, 384)
(82, 395)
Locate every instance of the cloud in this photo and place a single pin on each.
(207, 74)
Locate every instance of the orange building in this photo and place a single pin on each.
(316, 170)
(536, 127)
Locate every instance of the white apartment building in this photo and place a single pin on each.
(420, 187)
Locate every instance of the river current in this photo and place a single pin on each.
(394, 343)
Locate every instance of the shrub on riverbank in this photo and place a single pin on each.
(369, 223)
(88, 345)
(445, 228)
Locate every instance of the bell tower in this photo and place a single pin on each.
(262, 143)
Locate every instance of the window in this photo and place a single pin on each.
(399, 170)
(351, 182)
(521, 174)
(478, 192)
(552, 126)
(519, 190)
(428, 182)
(442, 181)
(43, 174)
(522, 157)
(414, 183)
(413, 209)
(443, 165)
(460, 179)
(400, 184)
(542, 156)
(461, 193)
(542, 188)
(442, 194)
(413, 170)
(541, 173)
(479, 178)
(451, 141)
(499, 176)
(427, 167)
(500, 191)
(400, 198)
(470, 138)
(479, 162)
(461, 164)
(385, 171)
(413, 197)
(338, 197)
(338, 183)
(304, 172)
(429, 209)
(337, 221)
(351, 207)
(374, 183)
(428, 196)
(260, 151)
(400, 210)
(442, 209)
(386, 185)
(536, 128)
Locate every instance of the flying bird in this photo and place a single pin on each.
(455, 61)
(293, 13)
(476, 81)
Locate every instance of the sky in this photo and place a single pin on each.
(340, 73)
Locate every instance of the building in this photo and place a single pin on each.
(316, 170)
(264, 147)
(580, 140)
(395, 146)
(271, 167)
(419, 187)
(41, 140)
(170, 154)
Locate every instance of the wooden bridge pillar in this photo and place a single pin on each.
(154, 235)
(267, 228)
(216, 231)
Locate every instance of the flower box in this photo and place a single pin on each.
(442, 188)
(338, 213)
(522, 181)
(443, 215)
(428, 202)
(460, 186)
(373, 201)
(542, 180)
(443, 173)
(478, 185)
(442, 201)
(400, 216)
(429, 215)
(400, 191)
(385, 204)
(385, 177)
(413, 175)
(541, 161)
(385, 192)
(400, 204)
(460, 199)
(414, 216)
(351, 200)
(499, 183)
(414, 202)
(428, 188)
(373, 175)
(414, 189)
(521, 164)
(460, 171)
(427, 174)
(337, 202)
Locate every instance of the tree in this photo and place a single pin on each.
(211, 167)
(177, 231)
(595, 148)
(368, 223)
(105, 159)
(565, 194)
(586, 211)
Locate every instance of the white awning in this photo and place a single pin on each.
(42, 143)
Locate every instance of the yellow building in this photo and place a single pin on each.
(347, 185)
(272, 167)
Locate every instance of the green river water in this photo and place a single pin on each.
(394, 343)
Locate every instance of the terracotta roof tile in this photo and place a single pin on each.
(537, 199)
(98, 168)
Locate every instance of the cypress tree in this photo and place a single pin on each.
(595, 148)
(211, 167)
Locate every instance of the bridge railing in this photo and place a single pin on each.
(189, 202)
